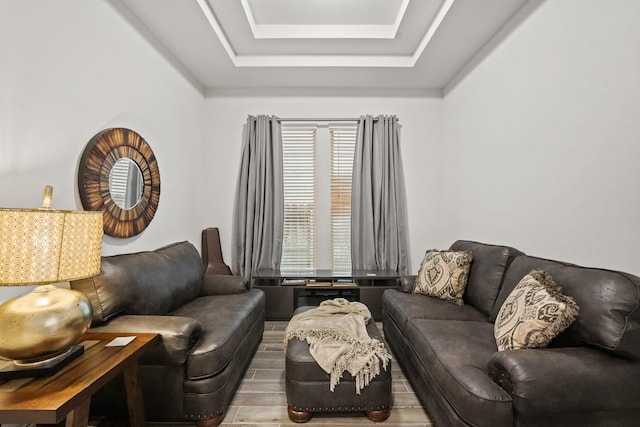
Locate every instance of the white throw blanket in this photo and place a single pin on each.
(338, 340)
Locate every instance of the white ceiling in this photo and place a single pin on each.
(291, 46)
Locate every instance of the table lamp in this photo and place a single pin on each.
(41, 247)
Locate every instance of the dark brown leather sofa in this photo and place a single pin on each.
(210, 327)
(588, 376)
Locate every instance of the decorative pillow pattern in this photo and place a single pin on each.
(443, 274)
(534, 313)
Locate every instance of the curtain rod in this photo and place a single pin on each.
(312, 119)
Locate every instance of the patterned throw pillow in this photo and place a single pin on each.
(534, 313)
(443, 274)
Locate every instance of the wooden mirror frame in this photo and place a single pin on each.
(99, 156)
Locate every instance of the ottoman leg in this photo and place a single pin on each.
(298, 416)
(378, 416)
(211, 422)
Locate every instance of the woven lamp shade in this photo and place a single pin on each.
(39, 246)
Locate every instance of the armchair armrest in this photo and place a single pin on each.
(407, 283)
(218, 284)
(570, 379)
(178, 335)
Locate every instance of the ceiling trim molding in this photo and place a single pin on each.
(323, 60)
(338, 92)
(271, 31)
(265, 31)
(215, 25)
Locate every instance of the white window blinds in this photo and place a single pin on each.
(343, 140)
(317, 218)
(299, 179)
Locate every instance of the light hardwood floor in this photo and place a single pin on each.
(261, 400)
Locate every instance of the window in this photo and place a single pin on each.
(317, 169)
(343, 142)
(299, 178)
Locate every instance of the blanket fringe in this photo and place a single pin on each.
(373, 350)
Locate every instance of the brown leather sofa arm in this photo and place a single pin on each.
(566, 380)
(407, 283)
(179, 334)
(214, 284)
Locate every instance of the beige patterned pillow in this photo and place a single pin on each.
(534, 313)
(443, 274)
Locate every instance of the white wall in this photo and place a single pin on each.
(421, 120)
(70, 69)
(542, 139)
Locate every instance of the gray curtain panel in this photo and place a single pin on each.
(259, 205)
(378, 201)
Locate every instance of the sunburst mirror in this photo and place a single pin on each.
(119, 176)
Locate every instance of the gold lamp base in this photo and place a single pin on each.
(40, 328)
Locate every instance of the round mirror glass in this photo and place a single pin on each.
(126, 183)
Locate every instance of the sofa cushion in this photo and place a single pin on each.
(535, 313)
(443, 274)
(225, 320)
(609, 303)
(401, 307)
(487, 272)
(456, 353)
(150, 283)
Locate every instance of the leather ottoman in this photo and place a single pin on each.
(307, 386)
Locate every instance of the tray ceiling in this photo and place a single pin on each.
(419, 46)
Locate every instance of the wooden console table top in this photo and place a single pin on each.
(47, 400)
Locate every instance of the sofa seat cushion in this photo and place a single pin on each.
(226, 320)
(401, 306)
(456, 354)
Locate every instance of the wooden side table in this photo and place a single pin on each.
(47, 400)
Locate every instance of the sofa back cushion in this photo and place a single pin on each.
(487, 272)
(609, 316)
(150, 283)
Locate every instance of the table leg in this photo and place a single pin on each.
(134, 395)
(79, 417)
